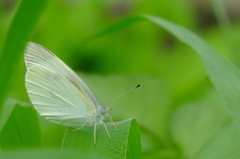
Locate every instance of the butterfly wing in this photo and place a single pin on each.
(55, 90)
(56, 98)
(37, 55)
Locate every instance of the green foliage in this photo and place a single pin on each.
(18, 35)
(19, 131)
(215, 149)
(180, 110)
(223, 74)
(47, 154)
(125, 142)
(6, 112)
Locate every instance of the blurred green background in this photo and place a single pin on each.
(177, 108)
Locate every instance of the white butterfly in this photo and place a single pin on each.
(58, 94)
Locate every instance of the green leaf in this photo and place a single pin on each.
(47, 154)
(223, 145)
(223, 74)
(235, 156)
(7, 110)
(5, 114)
(125, 142)
(18, 35)
(193, 124)
(114, 28)
(22, 129)
(220, 11)
(149, 105)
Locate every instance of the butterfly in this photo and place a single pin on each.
(58, 94)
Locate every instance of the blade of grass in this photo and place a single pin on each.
(224, 144)
(22, 130)
(219, 9)
(5, 114)
(20, 30)
(223, 74)
(7, 110)
(47, 154)
(114, 28)
(125, 142)
(221, 14)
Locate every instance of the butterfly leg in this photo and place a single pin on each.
(106, 129)
(80, 127)
(110, 119)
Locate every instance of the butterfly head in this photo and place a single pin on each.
(102, 112)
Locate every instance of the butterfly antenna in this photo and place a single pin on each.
(124, 94)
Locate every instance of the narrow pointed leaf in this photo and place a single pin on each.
(6, 112)
(224, 75)
(47, 154)
(224, 145)
(20, 30)
(22, 129)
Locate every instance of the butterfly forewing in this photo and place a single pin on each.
(55, 90)
(37, 55)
